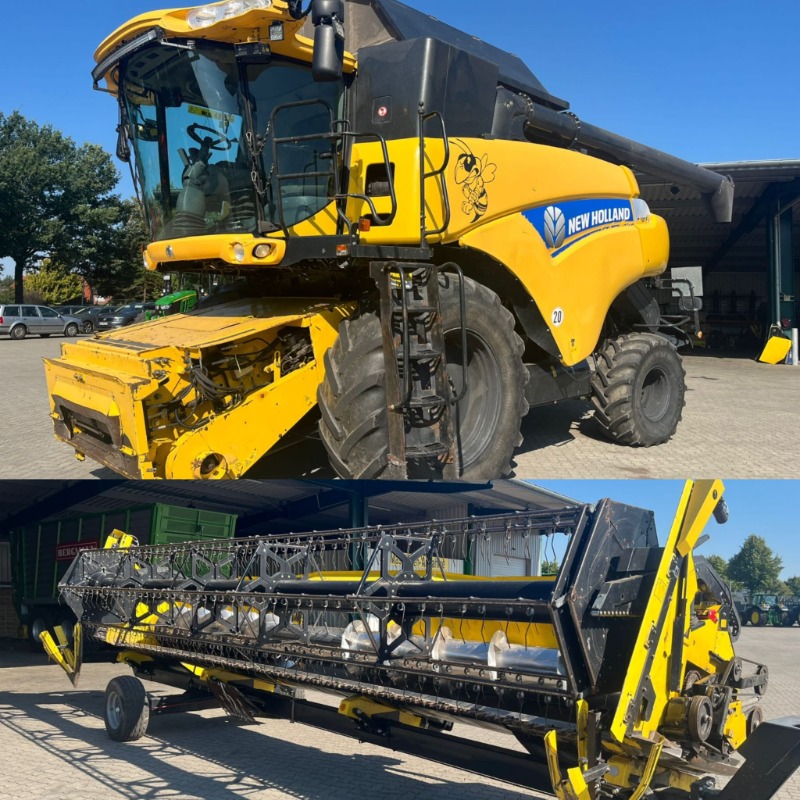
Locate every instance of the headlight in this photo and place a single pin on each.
(641, 211)
(204, 16)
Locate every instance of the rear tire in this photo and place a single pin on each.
(19, 332)
(352, 398)
(127, 712)
(639, 389)
(87, 328)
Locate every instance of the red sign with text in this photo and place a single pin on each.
(66, 552)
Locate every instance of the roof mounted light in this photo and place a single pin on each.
(204, 16)
(111, 61)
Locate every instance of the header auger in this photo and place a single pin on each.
(409, 244)
(618, 675)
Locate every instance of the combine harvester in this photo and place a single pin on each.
(618, 675)
(423, 244)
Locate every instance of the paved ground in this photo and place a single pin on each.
(55, 746)
(740, 422)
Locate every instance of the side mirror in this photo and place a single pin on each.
(327, 17)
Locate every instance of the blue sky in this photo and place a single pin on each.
(767, 508)
(703, 80)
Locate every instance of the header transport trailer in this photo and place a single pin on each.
(422, 244)
(618, 675)
(41, 553)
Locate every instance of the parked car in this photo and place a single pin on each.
(123, 316)
(89, 316)
(21, 320)
(70, 310)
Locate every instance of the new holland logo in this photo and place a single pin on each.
(555, 227)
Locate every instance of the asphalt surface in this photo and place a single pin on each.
(54, 745)
(740, 422)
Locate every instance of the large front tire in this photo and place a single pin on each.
(352, 398)
(639, 389)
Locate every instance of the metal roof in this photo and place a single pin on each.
(273, 506)
(699, 241)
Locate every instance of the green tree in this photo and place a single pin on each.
(719, 564)
(550, 567)
(794, 586)
(121, 272)
(755, 566)
(6, 288)
(54, 284)
(56, 199)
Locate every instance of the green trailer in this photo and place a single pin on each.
(41, 554)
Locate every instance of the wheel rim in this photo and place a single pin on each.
(72, 330)
(477, 415)
(114, 709)
(656, 394)
(18, 333)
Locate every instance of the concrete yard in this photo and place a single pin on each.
(740, 422)
(57, 746)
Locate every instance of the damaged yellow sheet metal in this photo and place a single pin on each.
(203, 396)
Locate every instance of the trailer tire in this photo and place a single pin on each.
(38, 625)
(639, 389)
(127, 712)
(352, 398)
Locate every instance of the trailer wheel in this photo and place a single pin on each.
(754, 718)
(127, 711)
(352, 398)
(37, 628)
(639, 389)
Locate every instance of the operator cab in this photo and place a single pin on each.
(228, 142)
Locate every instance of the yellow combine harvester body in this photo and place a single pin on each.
(251, 168)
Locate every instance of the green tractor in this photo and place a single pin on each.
(768, 609)
(181, 302)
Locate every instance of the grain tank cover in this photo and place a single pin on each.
(396, 79)
(372, 22)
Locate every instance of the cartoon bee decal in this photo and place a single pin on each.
(472, 174)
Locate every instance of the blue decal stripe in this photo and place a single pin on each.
(564, 224)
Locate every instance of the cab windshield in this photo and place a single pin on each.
(204, 138)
